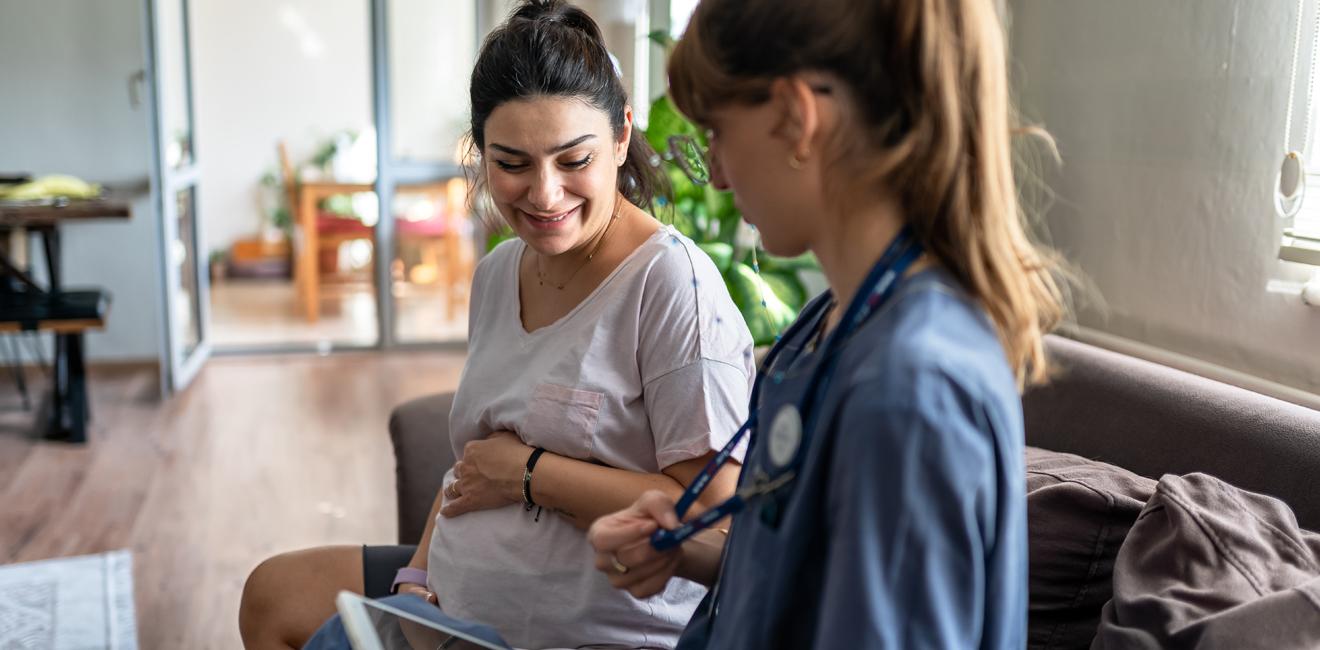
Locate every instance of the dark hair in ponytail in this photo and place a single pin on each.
(549, 48)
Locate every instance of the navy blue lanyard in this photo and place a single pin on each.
(879, 285)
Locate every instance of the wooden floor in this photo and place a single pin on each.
(265, 312)
(259, 456)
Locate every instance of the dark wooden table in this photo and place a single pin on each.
(65, 210)
(68, 413)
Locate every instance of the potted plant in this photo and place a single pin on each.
(217, 264)
(278, 223)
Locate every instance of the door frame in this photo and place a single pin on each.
(177, 368)
(391, 173)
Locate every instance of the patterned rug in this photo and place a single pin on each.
(76, 602)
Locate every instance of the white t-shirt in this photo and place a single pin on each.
(653, 368)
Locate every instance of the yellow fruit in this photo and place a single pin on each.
(53, 186)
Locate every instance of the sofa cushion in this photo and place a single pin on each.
(1208, 565)
(419, 430)
(1155, 420)
(1078, 513)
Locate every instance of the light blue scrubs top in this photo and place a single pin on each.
(907, 525)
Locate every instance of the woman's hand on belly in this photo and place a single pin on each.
(489, 476)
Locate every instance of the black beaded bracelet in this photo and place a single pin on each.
(528, 503)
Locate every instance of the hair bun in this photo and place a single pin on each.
(558, 12)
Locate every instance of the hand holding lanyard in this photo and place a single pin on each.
(878, 287)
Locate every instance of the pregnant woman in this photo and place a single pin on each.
(606, 359)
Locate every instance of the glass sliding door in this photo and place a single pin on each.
(424, 54)
(186, 329)
(284, 98)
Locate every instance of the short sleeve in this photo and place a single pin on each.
(696, 409)
(910, 518)
(485, 281)
(694, 353)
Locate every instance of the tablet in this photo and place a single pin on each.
(409, 622)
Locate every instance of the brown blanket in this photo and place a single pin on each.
(1208, 565)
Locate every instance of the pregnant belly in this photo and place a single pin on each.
(533, 581)
(508, 540)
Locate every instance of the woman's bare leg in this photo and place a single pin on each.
(287, 597)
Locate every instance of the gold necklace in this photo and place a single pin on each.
(541, 276)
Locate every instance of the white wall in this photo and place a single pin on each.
(618, 20)
(1169, 118)
(298, 70)
(433, 45)
(65, 67)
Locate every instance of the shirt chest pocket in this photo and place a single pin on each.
(563, 420)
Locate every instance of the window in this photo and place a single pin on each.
(679, 13)
(1301, 235)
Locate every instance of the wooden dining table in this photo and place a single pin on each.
(69, 412)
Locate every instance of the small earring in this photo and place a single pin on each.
(797, 162)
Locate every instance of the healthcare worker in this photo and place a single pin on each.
(882, 497)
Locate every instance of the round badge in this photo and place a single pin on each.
(785, 436)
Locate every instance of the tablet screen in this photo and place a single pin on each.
(412, 624)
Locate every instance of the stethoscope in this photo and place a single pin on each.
(792, 427)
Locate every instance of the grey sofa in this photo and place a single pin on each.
(1141, 416)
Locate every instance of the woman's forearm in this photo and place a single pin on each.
(582, 491)
(419, 557)
(701, 557)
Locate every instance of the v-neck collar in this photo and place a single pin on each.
(516, 280)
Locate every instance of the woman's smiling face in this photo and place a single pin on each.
(552, 166)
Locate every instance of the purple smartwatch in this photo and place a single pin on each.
(408, 574)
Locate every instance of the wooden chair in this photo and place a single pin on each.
(443, 242)
(321, 233)
(441, 239)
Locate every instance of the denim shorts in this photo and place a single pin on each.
(379, 564)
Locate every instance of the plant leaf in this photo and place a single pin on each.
(788, 287)
(720, 206)
(720, 253)
(803, 262)
(498, 237)
(662, 38)
(765, 319)
(666, 121)
(683, 186)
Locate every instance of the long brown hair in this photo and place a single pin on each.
(932, 129)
